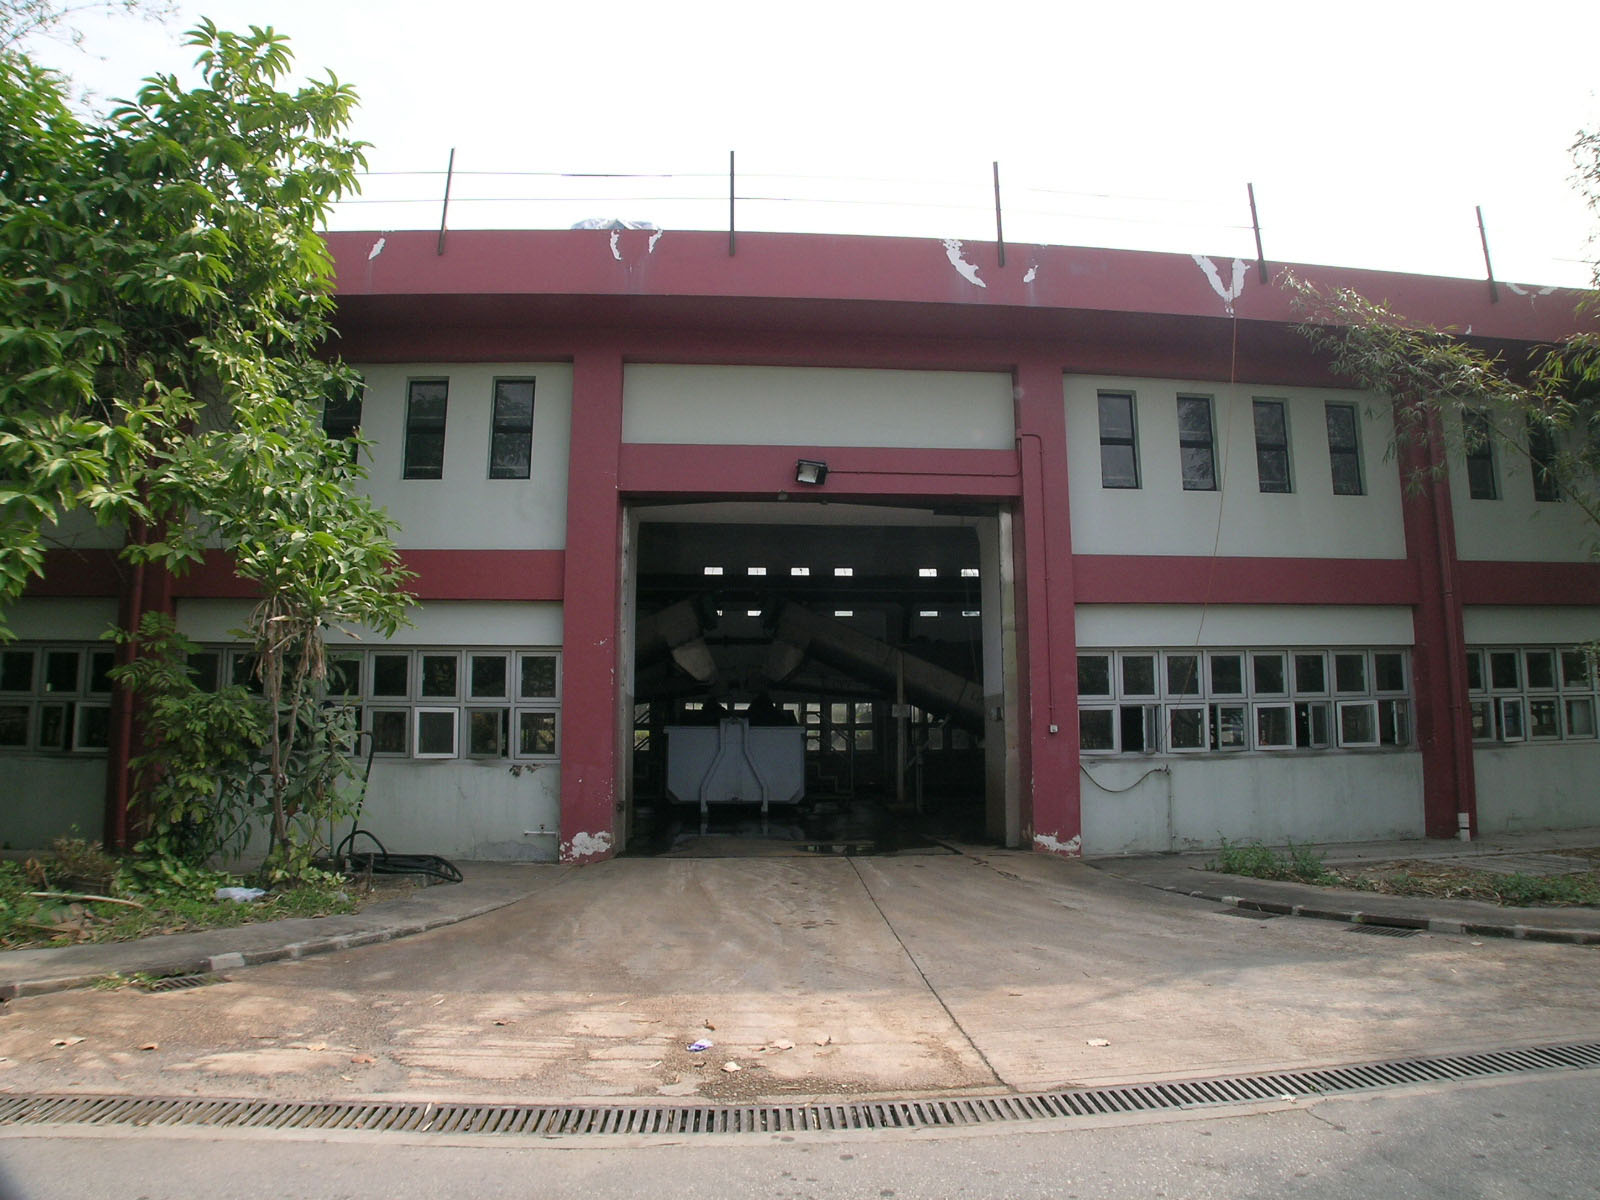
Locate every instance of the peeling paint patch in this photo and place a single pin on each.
(969, 271)
(1235, 287)
(616, 248)
(1544, 291)
(654, 238)
(1051, 844)
(377, 248)
(1033, 273)
(586, 845)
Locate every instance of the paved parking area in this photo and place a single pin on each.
(986, 971)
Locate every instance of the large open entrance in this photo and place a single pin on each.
(828, 675)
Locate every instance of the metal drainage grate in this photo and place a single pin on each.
(1385, 930)
(819, 1116)
(177, 983)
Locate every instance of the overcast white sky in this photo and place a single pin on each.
(1370, 130)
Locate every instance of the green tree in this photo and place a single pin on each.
(1544, 409)
(165, 298)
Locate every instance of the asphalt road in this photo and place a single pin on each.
(911, 974)
(1524, 1137)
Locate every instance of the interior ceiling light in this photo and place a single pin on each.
(810, 471)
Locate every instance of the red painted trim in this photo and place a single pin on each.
(882, 272)
(1052, 813)
(762, 332)
(590, 616)
(853, 471)
(441, 575)
(80, 573)
(1538, 583)
(486, 574)
(1163, 579)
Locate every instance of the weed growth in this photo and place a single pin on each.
(1299, 864)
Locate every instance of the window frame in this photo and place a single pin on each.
(1117, 440)
(421, 429)
(1195, 442)
(1542, 453)
(1350, 454)
(1483, 468)
(1267, 448)
(506, 428)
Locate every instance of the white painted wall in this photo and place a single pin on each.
(442, 623)
(816, 406)
(1159, 517)
(1273, 798)
(1133, 626)
(1537, 785)
(50, 619)
(78, 530)
(465, 809)
(1513, 625)
(466, 509)
(461, 808)
(46, 796)
(1515, 527)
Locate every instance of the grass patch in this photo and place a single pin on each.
(1416, 878)
(81, 894)
(1447, 881)
(1297, 864)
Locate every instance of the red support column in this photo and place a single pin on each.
(1438, 659)
(591, 596)
(1046, 638)
(144, 589)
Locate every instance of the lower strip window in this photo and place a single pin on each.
(1209, 703)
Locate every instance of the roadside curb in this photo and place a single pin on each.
(1330, 910)
(154, 962)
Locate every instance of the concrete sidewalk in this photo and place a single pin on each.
(1186, 874)
(484, 888)
(975, 973)
(489, 886)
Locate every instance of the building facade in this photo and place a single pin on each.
(1088, 548)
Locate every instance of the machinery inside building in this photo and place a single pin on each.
(863, 641)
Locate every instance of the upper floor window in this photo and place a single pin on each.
(426, 400)
(511, 430)
(1344, 449)
(1272, 445)
(1542, 457)
(1483, 481)
(1119, 443)
(341, 415)
(1197, 444)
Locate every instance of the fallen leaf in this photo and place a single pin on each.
(316, 1046)
(731, 1067)
(502, 1022)
(824, 1039)
(709, 1025)
(151, 1046)
(365, 1059)
(1097, 1042)
(783, 1044)
(66, 1041)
